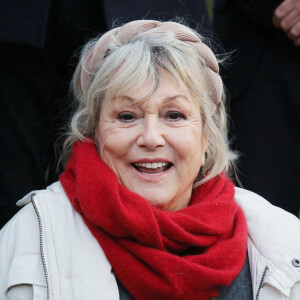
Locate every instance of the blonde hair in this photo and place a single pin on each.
(127, 64)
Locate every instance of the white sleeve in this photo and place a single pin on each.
(21, 270)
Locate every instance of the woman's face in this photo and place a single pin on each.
(155, 147)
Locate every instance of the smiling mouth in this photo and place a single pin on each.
(152, 168)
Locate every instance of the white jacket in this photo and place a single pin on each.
(47, 252)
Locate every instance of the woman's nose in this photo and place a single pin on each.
(151, 136)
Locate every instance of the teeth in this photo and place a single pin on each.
(152, 165)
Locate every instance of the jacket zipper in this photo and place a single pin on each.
(42, 248)
(261, 281)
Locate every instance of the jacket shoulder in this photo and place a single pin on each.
(274, 240)
(20, 243)
(20, 229)
(258, 209)
(20, 251)
(268, 223)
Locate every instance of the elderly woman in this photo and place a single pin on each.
(144, 208)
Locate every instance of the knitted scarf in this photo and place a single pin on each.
(184, 255)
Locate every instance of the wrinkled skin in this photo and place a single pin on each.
(166, 127)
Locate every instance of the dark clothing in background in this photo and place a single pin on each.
(263, 81)
(37, 41)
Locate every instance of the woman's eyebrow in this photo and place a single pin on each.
(127, 98)
(124, 99)
(175, 98)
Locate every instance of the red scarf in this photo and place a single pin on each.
(186, 254)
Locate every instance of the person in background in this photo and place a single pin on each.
(37, 40)
(145, 208)
(263, 82)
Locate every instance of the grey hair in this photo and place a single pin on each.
(145, 57)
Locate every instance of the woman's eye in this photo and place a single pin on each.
(175, 115)
(126, 117)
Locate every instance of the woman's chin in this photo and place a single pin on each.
(160, 197)
(157, 197)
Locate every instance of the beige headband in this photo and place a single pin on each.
(125, 33)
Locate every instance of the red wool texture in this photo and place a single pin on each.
(183, 255)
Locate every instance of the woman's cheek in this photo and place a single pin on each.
(112, 139)
(188, 139)
(115, 146)
(111, 161)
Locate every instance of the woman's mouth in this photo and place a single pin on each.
(152, 168)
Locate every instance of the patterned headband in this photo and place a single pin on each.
(127, 32)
